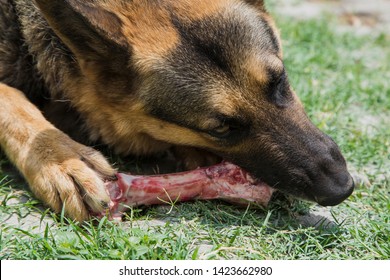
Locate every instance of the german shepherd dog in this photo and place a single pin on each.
(203, 78)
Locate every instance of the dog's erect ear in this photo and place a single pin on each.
(91, 32)
(257, 3)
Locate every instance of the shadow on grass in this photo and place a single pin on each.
(283, 212)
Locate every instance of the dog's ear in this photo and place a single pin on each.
(259, 4)
(91, 32)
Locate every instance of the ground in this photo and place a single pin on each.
(358, 16)
(338, 61)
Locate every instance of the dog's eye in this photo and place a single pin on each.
(221, 131)
(227, 128)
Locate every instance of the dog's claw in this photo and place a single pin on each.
(104, 204)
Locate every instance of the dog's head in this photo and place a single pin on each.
(205, 74)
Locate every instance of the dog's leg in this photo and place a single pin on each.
(60, 171)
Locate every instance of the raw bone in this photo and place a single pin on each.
(222, 181)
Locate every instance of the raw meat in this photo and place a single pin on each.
(222, 181)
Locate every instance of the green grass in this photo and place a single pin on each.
(344, 83)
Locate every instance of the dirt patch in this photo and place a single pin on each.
(359, 16)
(366, 122)
(319, 217)
(27, 220)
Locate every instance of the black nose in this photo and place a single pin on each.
(338, 194)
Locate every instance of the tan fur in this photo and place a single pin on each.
(58, 170)
(148, 30)
(187, 11)
(129, 129)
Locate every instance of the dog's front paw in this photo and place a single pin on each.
(64, 173)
